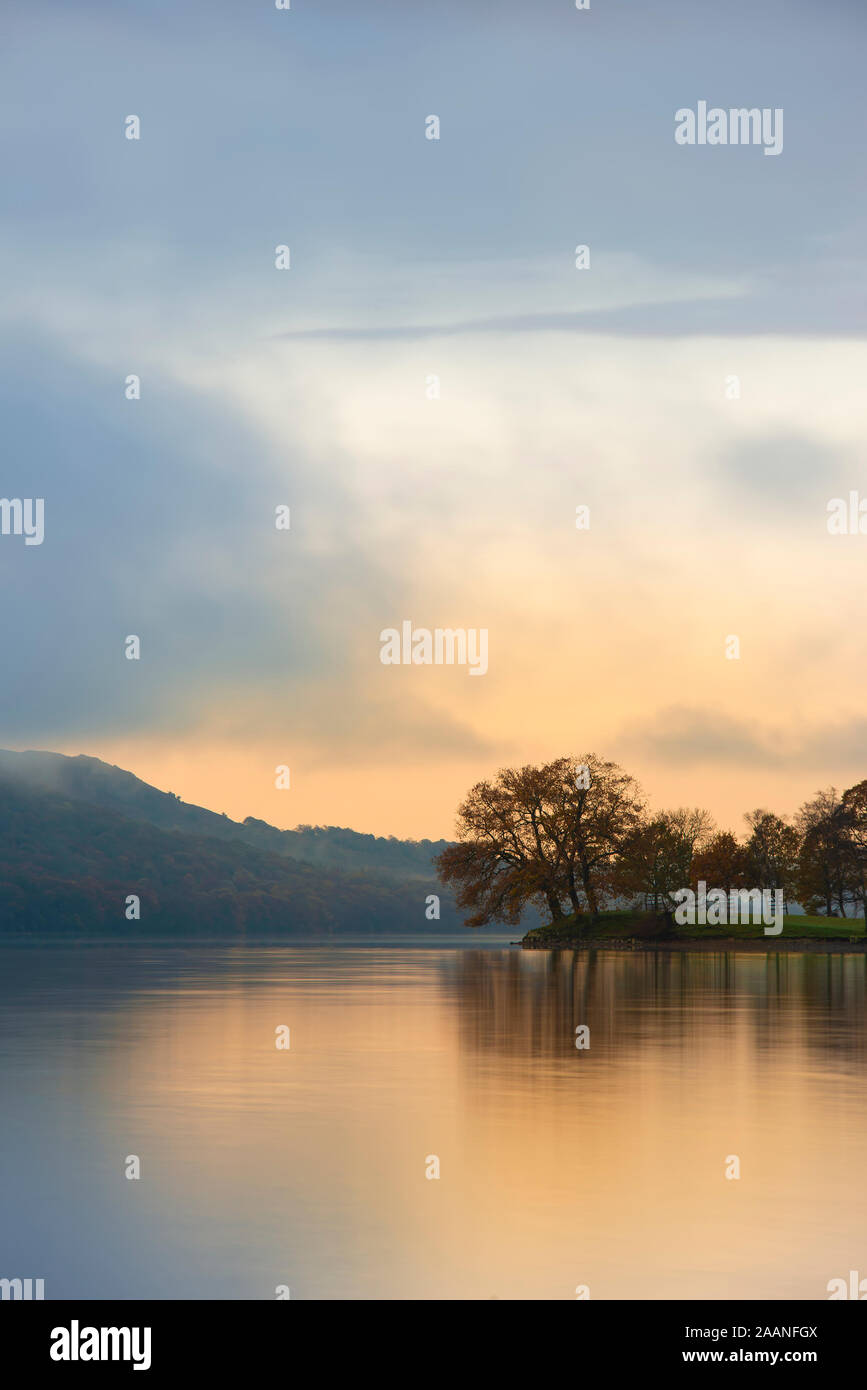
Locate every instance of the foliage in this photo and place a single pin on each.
(573, 835)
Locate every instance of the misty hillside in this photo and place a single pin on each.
(69, 866)
(100, 784)
(78, 836)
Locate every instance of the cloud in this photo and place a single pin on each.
(682, 736)
(785, 470)
(732, 313)
(413, 259)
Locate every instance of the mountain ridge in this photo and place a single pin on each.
(79, 838)
(85, 778)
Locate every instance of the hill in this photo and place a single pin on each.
(79, 836)
(100, 784)
(68, 867)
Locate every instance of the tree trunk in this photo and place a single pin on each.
(573, 895)
(589, 890)
(554, 907)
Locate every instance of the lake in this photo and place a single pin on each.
(306, 1167)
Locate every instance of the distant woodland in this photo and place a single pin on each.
(77, 837)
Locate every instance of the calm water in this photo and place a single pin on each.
(306, 1167)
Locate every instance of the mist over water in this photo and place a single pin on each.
(559, 1167)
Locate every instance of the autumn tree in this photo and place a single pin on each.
(853, 816)
(505, 857)
(721, 863)
(824, 861)
(656, 857)
(594, 805)
(546, 834)
(772, 853)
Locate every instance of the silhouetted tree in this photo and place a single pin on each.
(772, 853)
(853, 815)
(656, 857)
(824, 861)
(548, 834)
(721, 863)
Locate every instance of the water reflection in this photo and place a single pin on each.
(529, 1004)
(559, 1167)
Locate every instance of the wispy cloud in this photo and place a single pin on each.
(684, 736)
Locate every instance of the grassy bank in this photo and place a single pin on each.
(643, 927)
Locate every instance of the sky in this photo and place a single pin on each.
(609, 387)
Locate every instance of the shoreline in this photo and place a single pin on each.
(768, 945)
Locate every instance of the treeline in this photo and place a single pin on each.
(576, 835)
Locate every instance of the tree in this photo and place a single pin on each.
(594, 806)
(772, 853)
(693, 827)
(721, 863)
(824, 862)
(853, 817)
(656, 857)
(504, 858)
(547, 834)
